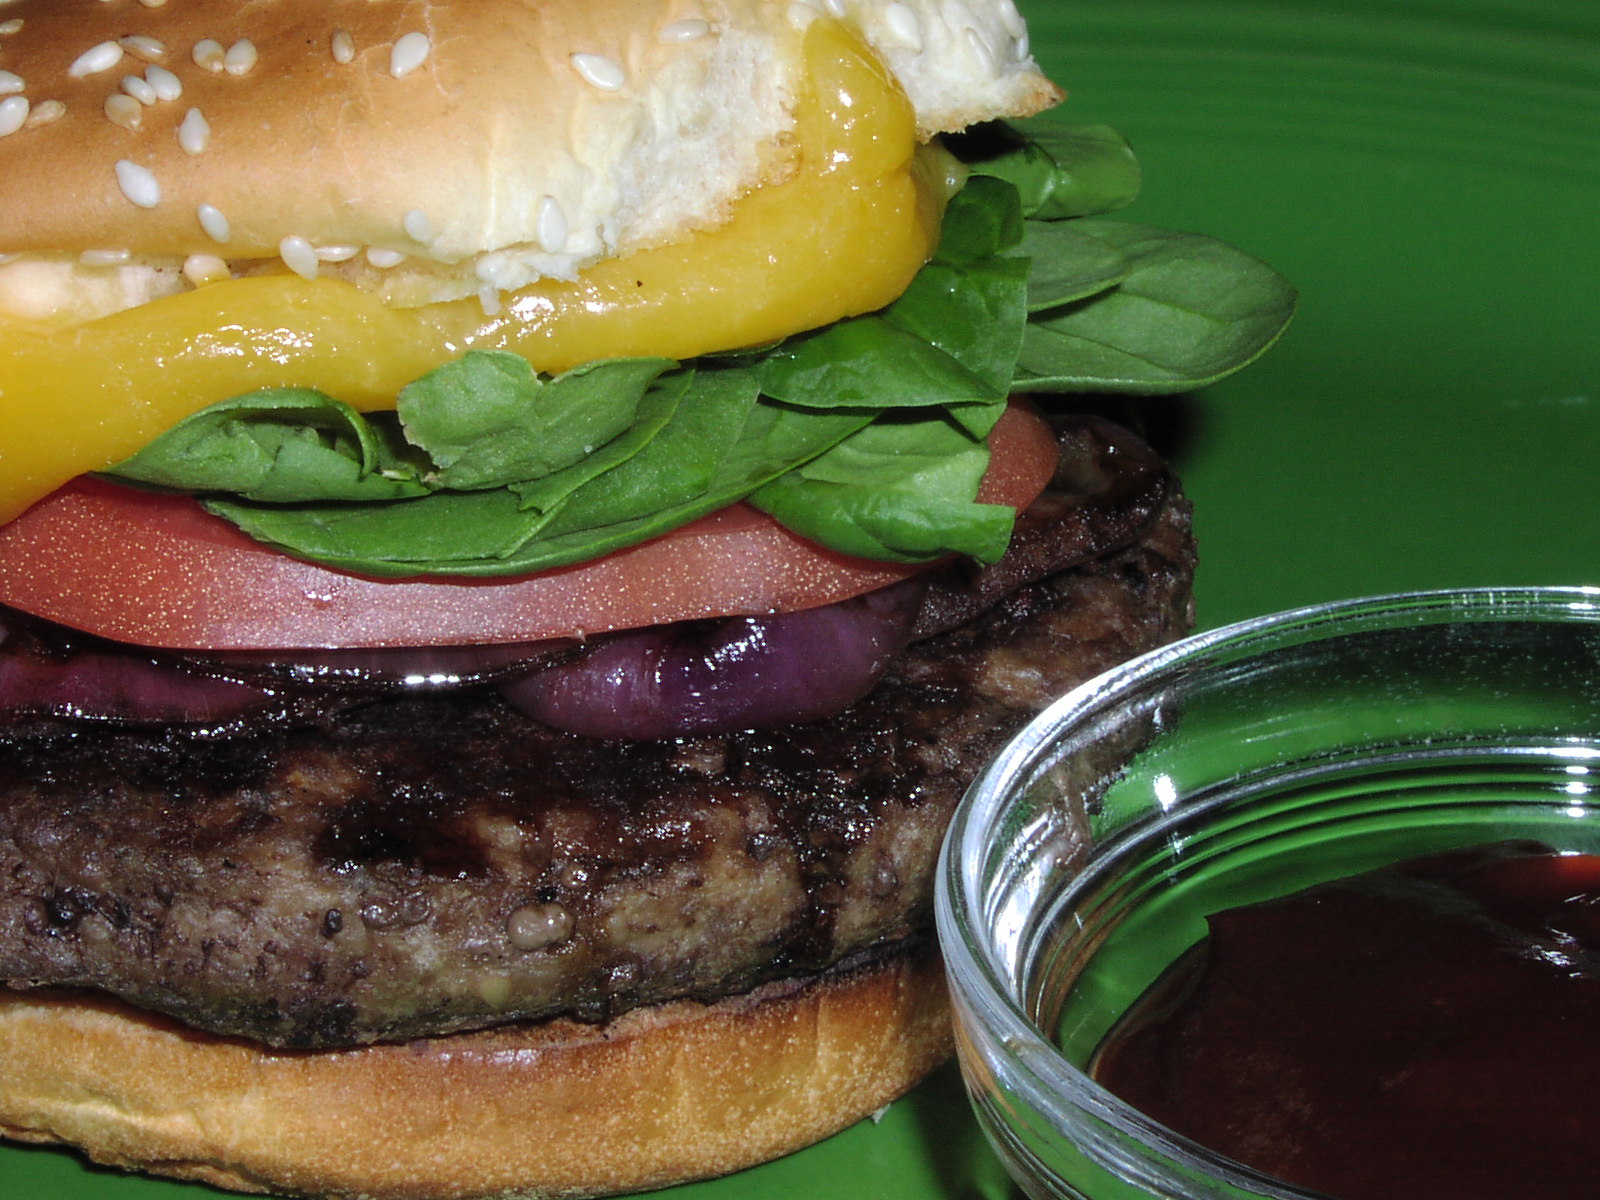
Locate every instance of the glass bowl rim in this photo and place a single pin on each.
(1053, 1084)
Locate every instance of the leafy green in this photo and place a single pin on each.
(951, 339)
(971, 300)
(1068, 264)
(717, 449)
(899, 490)
(1059, 170)
(848, 363)
(1189, 310)
(866, 435)
(488, 420)
(279, 445)
(654, 413)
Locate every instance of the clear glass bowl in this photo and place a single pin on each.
(1236, 765)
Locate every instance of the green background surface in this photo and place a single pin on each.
(1428, 173)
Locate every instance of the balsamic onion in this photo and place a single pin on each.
(722, 675)
(112, 684)
(692, 677)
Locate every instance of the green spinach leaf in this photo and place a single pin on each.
(488, 419)
(1190, 311)
(1066, 264)
(899, 490)
(281, 445)
(1059, 169)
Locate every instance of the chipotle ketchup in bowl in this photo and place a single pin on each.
(1237, 768)
(1327, 1037)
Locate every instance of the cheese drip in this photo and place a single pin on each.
(843, 235)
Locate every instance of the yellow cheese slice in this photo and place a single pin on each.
(844, 235)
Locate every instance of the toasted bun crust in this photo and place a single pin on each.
(568, 131)
(661, 1095)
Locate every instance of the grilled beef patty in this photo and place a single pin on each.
(420, 864)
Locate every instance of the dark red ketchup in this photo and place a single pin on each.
(1428, 1030)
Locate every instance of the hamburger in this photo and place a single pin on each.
(517, 532)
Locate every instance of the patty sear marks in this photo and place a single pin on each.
(425, 864)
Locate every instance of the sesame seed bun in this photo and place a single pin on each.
(136, 139)
(614, 123)
(665, 1094)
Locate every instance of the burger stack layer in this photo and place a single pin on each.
(520, 521)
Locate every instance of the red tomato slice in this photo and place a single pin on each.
(161, 571)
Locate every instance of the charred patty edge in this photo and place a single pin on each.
(430, 865)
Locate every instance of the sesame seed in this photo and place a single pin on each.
(45, 112)
(298, 256)
(1011, 18)
(599, 71)
(194, 133)
(138, 184)
(124, 110)
(104, 258)
(11, 83)
(344, 46)
(1019, 49)
(139, 88)
(148, 48)
(96, 59)
(489, 300)
(7, 28)
(491, 268)
(903, 23)
(153, 3)
(980, 48)
(686, 30)
(240, 58)
(200, 269)
(409, 53)
(802, 14)
(552, 226)
(417, 226)
(167, 85)
(838, 9)
(214, 223)
(209, 54)
(384, 259)
(13, 114)
(337, 253)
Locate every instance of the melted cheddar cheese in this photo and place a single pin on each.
(844, 235)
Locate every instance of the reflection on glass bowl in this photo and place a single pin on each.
(1231, 767)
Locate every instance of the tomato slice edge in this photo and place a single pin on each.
(160, 571)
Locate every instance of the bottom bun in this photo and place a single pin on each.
(661, 1095)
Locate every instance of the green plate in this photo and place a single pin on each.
(1428, 172)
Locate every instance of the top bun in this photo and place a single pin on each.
(438, 129)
